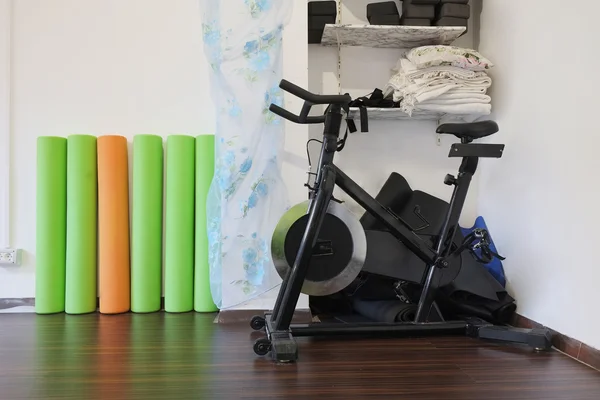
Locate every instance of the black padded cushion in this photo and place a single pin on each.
(473, 130)
(319, 21)
(428, 2)
(322, 8)
(454, 10)
(415, 22)
(382, 8)
(384, 20)
(451, 21)
(410, 10)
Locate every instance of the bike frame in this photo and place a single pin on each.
(328, 176)
(280, 333)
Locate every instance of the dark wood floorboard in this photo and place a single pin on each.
(186, 356)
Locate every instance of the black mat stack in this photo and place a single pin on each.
(414, 13)
(320, 13)
(420, 13)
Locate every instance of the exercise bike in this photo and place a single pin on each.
(319, 247)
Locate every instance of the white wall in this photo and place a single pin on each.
(407, 147)
(5, 29)
(541, 199)
(111, 66)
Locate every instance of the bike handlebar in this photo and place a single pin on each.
(283, 113)
(310, 99)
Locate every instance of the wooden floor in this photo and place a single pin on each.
(186, 356)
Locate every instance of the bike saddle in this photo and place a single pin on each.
(472, 130)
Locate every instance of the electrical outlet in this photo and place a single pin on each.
(10, 257)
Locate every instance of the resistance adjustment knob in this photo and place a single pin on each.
(450, 180)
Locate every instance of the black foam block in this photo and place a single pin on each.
(322, 8)
(450, 21)
(383, 8)
(417, 11)
(415, 22)
(316, 25)
(384, 20)
(424, 2)
(314, 36)
(319, 21)
(454, 10)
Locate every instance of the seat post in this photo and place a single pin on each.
(466, 171)
(461, 184)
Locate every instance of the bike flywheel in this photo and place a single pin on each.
(338, 256)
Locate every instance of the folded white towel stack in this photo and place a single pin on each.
(444, 80)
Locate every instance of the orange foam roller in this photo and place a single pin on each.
(113, 225)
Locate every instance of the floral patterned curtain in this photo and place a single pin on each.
(243, 43)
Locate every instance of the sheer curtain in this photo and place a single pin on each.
(243, 43)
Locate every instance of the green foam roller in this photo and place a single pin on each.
(82, 225)
(51, 225)
(179, 224)
(205, 166)
(147, 221)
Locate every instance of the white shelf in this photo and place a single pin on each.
(393, 114)
(396, 114)
(389, 36)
